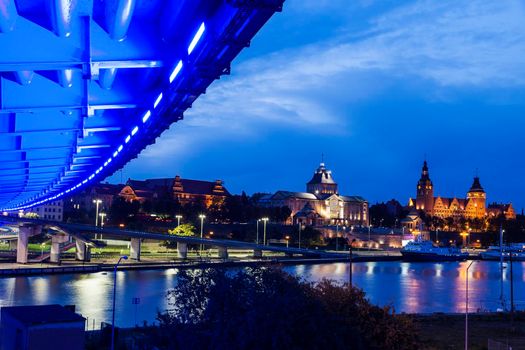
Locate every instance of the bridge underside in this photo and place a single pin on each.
(86, 85)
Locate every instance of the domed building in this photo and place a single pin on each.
(322, 182)
(321, 204)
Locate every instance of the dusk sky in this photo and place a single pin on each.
(375, 86)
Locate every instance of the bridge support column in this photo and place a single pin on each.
(223, 252)
(257, 253)
(21, 245)
(56, 241)
(182, 250)
(12, 244)
(134, 249)
(24, 232)
(83, 251)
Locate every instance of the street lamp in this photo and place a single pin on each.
(102, 216)
(300, 227)
(287, 240)
(264, 220)
(351, 261)
(337, 237)
(369, 227)
(97, 202)
(466, 307)
(257, 236)
(114, 297)
(178, 219)
(202, 217)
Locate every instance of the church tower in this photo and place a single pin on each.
(476, 200)
(425, 191)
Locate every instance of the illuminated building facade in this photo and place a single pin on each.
(184, 191)
(472, 207)
(321, 204)
(86, 200)
(52, 211)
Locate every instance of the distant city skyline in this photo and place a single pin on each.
(375, 86)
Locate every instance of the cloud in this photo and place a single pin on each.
(458, 44)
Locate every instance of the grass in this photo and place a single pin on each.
(440, 332)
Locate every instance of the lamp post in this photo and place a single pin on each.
(337, 237)
(178, 217)
(102, 216)
(202, 217)
(351, 261)
(114, 297)
(97, 202)
(287, 240)
(369, 227)
(264, 220)
(300, 228)
(257, 236)
(466, 307)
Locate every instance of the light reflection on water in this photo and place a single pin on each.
(409, 287)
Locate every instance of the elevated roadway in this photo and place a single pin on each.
(84, 236)
(86, 85)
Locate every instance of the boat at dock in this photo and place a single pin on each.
(422, 250)
(503, 252)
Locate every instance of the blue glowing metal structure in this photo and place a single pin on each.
(86, 85)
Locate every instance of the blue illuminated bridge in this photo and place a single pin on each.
(86, 85)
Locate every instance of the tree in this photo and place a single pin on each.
(122, 211)
(311, 237)
(183, 230)
(261, 308)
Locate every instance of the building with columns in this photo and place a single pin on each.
(321, 204)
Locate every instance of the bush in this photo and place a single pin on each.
(263, 308)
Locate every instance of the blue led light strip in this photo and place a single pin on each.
(175, 72)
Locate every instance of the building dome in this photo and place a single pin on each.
(322, 182)
(322, 176)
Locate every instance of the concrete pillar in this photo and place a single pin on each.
(134, 249)
(21, 246)
(83, 251)
(223, 252)
(257, 253)
(182, 250)
(56, 241)
(12, 244)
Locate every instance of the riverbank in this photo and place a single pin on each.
(67, 267)
(447, 331)
(435, 332)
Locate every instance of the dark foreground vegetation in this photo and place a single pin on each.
(447, 332)
(265, 308)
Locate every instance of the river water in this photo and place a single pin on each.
(409, 287)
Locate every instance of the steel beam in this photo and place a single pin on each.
(36, 109)
(60, 13)
(79, 65)
(8, 15)
(118, 14)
